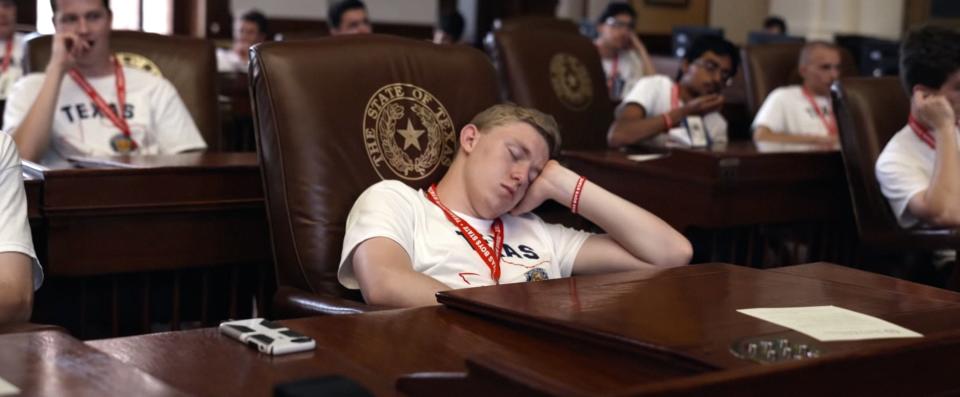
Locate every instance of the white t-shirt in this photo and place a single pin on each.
(158, 119)
(532, 248)
(654, 94)
(904, 169)
(14, 226)
(228, 61)
(14, 70)
(786, 110)
(629, 71)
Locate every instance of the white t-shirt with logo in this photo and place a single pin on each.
(654, 93)
(629, 71)
(787, 110)
(14, 226)
(158, 119)
(532, 248)
(14, 69)
(905, 168)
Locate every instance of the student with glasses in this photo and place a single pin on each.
(625, 58)
(658, 109)
(348, 17)
(803, 113)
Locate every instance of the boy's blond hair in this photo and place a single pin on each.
(501, 114)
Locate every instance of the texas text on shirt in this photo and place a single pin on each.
(14, 228)
(905, 168)
(158, 119)
(532, 249)
(787, 110)
(654, 94)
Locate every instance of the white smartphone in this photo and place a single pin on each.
(267, 336)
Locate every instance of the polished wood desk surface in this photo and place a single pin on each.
(206, 208)
(689, 310)
(50, 363)
(734, 185)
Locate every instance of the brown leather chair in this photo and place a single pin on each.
(558, 73)
(326, 113)
(869, 112)
(768, 66)
(188, 63)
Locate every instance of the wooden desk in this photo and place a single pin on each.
(688, 335)
(734, 186)
(170, 214)
(51, 363)
(739, 195)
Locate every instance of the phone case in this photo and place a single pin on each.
(267, 336)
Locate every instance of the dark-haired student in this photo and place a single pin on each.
(625, 59)
(657, 106)
(919, 168)
(348, 17)
(249, 29)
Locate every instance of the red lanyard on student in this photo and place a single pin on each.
(7, 56)
(922, 132)
(674, 96)
(614, 69)
(831, 123)
(490, 256)
(116, 118)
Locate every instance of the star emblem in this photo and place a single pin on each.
(411, 136)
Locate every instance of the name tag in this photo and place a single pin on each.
(696, 131)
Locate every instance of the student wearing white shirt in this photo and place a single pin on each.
(88, 104)
(11, 45)
(474, 228)
(803, 113)
(657, 108)
(624, 57)
(249, 29)
(919, 168)
(20, 272)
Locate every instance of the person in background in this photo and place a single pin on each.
(249, 29)
(348, 17)
(625, 59)
(803, 113)
(12, 43)
(449, 29)
(775, 25)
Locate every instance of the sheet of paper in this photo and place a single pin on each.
(644, 157)
(8, 389)
(831, 323)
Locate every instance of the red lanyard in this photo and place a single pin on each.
(7, 56)
(117, 120)
(490, 256)
(830, 123)
(922, 132)
(613, 71)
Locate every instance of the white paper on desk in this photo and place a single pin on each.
(644, 156)
(831, 323)
(8, 389)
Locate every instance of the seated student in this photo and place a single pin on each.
(449, 29)
(775, 25)
(20, 272)
(919, 168)
(250, 29)
(12, 43)
(72, 109)
(657, 106)
(348, 17)
(625, 59)
(803, 113)
(402, 246)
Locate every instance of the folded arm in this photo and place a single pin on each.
(16, 287)
(386, 276)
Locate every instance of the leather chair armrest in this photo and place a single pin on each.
(291, 302)
(17, 328)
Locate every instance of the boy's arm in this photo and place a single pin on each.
(386, 276)
(939, 204)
